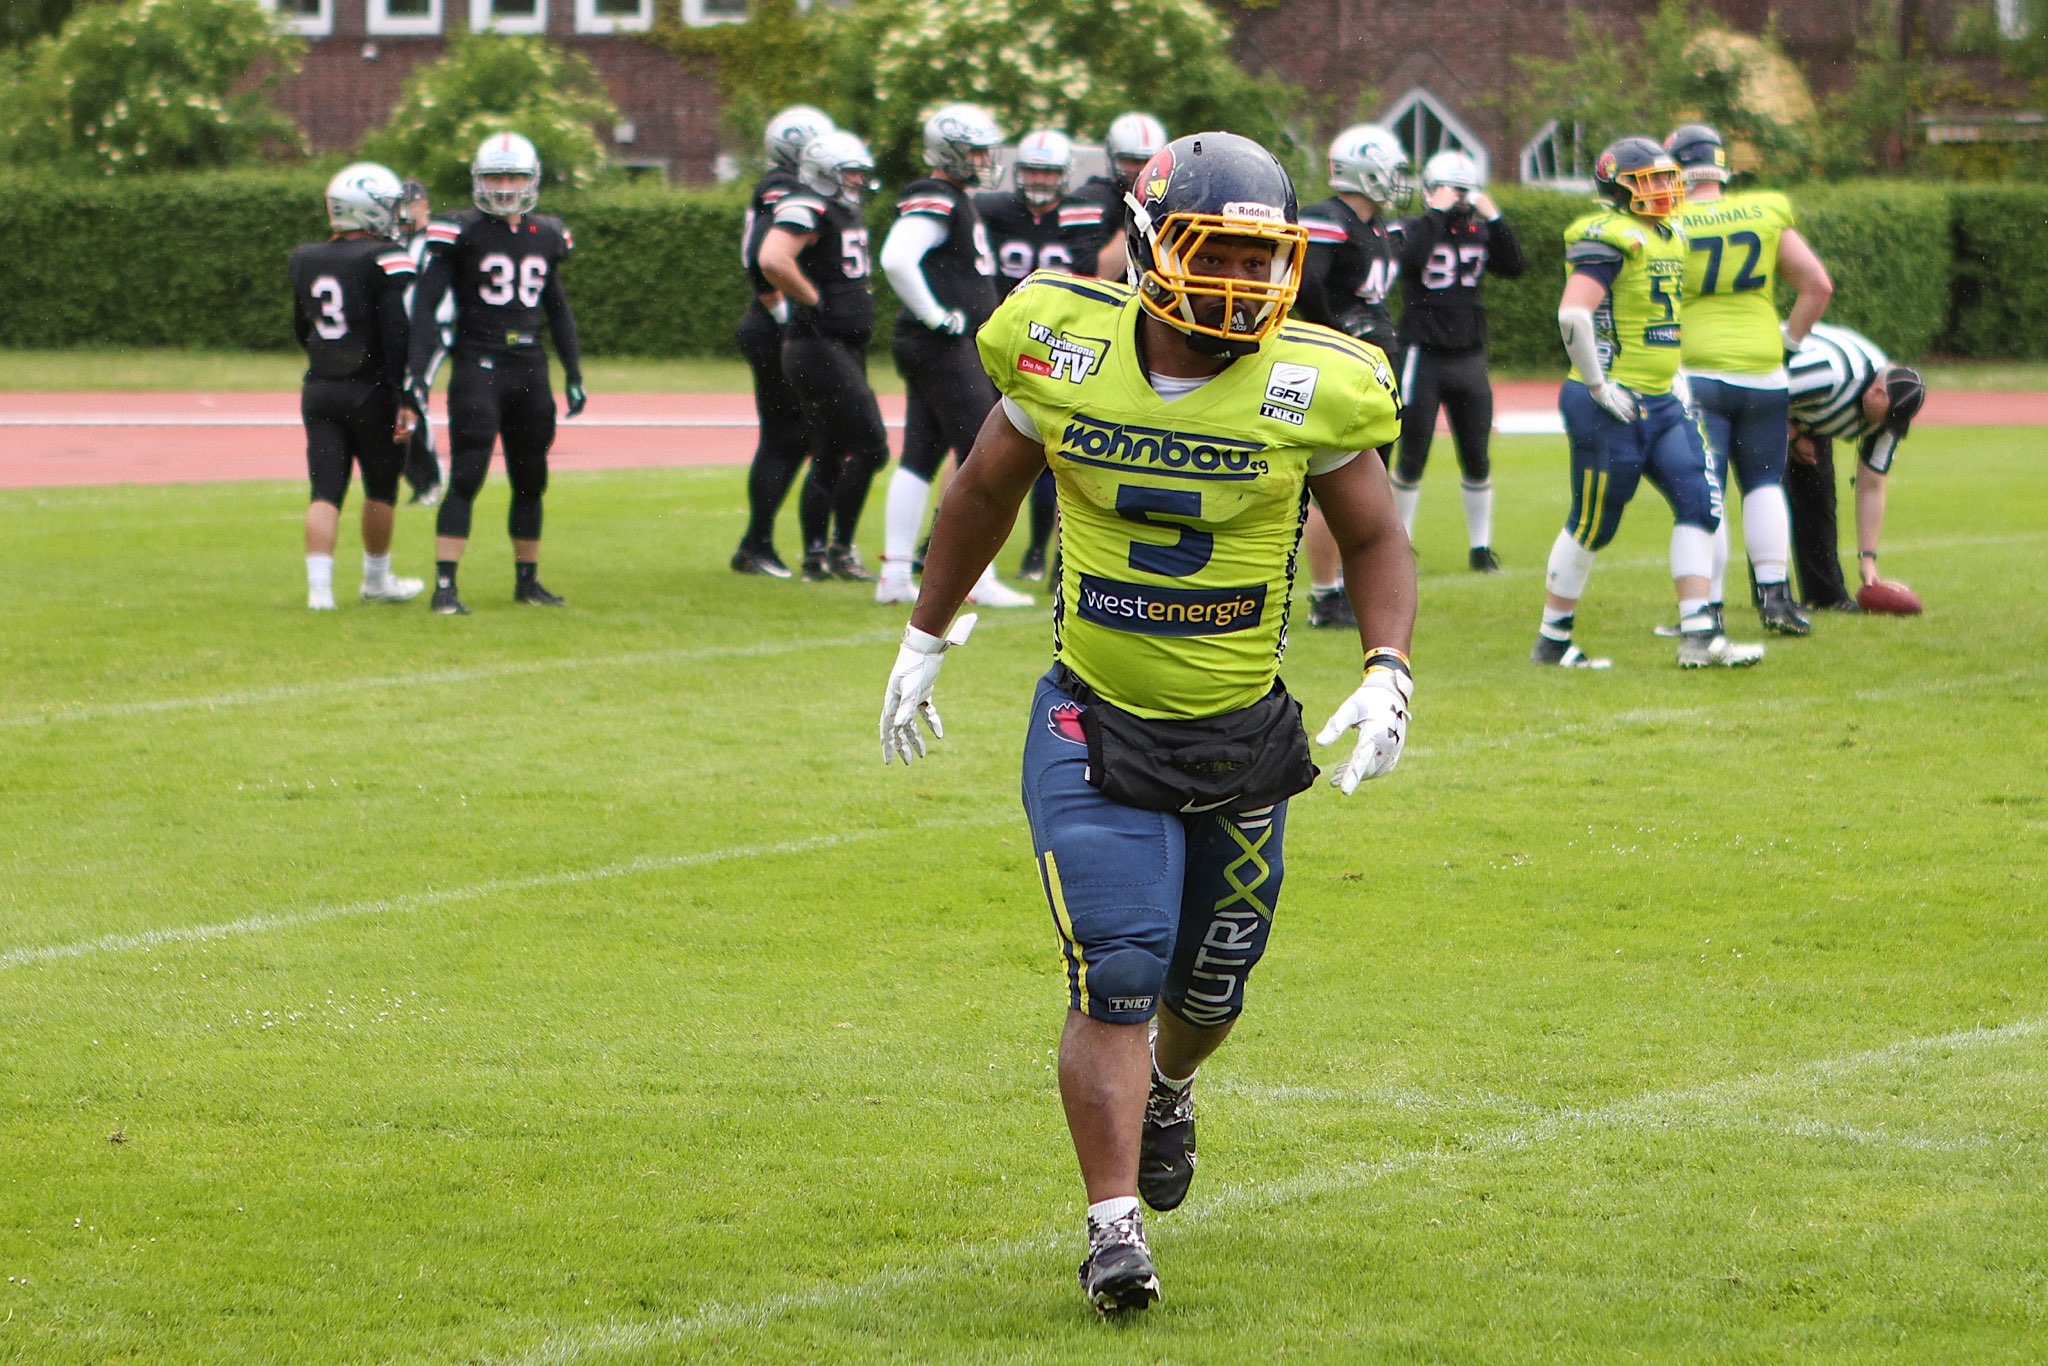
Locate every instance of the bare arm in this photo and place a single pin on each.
(1869, 520)
(1379, 569)
(976, 515)
(1804, 272)
(779, 251)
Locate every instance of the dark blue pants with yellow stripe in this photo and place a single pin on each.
(1152, 907)
(1610, 457)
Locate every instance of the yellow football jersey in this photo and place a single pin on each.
(1731, 310)
(1637, 325)
(1179, 521)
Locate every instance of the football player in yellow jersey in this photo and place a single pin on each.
(1186, 421)
(1734, 353)
(1625, 280)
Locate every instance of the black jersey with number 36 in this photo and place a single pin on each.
(500, 275)
(349, 308)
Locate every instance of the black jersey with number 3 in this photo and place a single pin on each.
(349, 308)
(1024, 241)
(506, 282)
(836, 263)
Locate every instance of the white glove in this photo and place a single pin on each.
(780, 312)
(1379, 709)
(953, 323)
(1616, 400)
(909, 695)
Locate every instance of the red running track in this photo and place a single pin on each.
(50, 440)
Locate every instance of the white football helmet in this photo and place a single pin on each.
(1132, 140)
(1050, 156)
(838, 166)
(364, 197)
(1367, 159)
(954, 134)
(791, 130)
(1450, 169)
(506, 154)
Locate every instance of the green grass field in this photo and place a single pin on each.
(578, 987)
(162, 369)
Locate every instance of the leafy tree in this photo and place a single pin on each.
(878, 66)
(151, 85)
(1673, 66)
(489, 83)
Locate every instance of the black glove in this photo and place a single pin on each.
(416, 394)
(577, 398)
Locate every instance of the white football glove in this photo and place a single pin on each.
(909, 695)
(1616, 400)
(952, 324)
(1379, 711)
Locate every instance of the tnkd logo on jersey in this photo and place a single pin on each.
(1070, 358)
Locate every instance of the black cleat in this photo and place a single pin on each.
(1118, 1276)
(1330, 607)
(816, 568)
(1779, 613)
(1166, 1145)
(843, 562)
(1483, 560)
(427, 497)
(533, 595)
(1032, 566)
(1563, 654)
(759, 559)
(445, 602)
(1839, 605)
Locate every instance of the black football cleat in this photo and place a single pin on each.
(1483, 560)
(533, 595)
(1032, 566)
(844, 562)
(1330, 607)
(759, 559)
(1562, 654)
(445, 602)
(1779, 613)
(1166, 1145)
(1118, 1276)
(817, 566)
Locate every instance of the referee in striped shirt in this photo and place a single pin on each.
(1842, 386)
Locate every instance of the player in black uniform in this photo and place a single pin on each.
(504, 263)
(349, 314)
(1445, 255)
(816, 254)
(1024, 225)
(938, 259)
(1350, 272)
(782, 445)
(1094, 217)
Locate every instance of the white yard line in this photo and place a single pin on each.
(1669, 1110)
(412, 902)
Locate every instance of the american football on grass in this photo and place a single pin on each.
(1890, 597)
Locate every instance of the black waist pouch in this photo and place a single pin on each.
(1233, 763)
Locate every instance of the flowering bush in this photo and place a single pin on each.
(488, 83)
(151, 85)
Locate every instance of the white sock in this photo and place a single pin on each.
(1407, 497)
(1557, 625)
(904, 514)
(1478, 512)
(1717, 577)
(376, 568)
(320, 572)
(1692, 553)
(1332, 586)
(1691, 607)
(1171, 1083)
(1116, 1207)
(1571, 564)
(1767, 531)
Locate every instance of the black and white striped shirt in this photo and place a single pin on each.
(1829, 375)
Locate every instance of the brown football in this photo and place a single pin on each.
(1890, 597)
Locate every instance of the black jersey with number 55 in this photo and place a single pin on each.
(835, 262)
(349, 308)
(506, 281)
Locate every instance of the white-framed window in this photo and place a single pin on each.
(309, 18)
(1557, 158)
(508, 16)
(698, 13)
(1426, 126)
(400, 17)
(2012, 19)
(614, 16)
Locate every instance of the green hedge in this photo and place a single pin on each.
(198, 261)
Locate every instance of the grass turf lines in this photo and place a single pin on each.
(577, 986)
